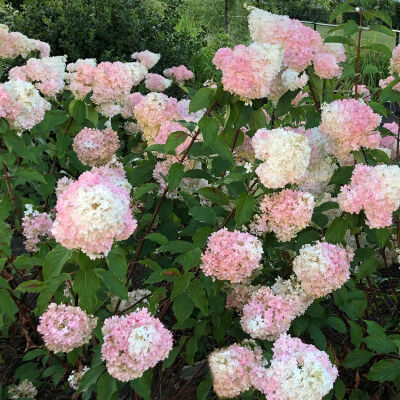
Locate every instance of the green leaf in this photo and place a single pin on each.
(380, 156)
(336, 231)
(157, 237)
(142, 386)
(370, 69)
(55, 260)
(317, 336)
(31, 355)
(339, 39)
(181, 284)
(341, 176)
(350, 28)
(342, 9)
(216, 195)
(198, 296)
(373, 328)
(86, 285)
(106, 387)
(204, 389)
(90, 377)
(209, 128)
(381, 48)
(175, 175)
(380, 14)
(384, 370)
(182, 307)
(174, 140)
(78, 110)
(176, 246)
(368, 267)
(201, 99)
(33, 286)
(337, 324)
(285, 102)
(340, 389)
(380, 344)
(116, 261)
(27, 175)
(356, 333)
(258, 120)
(357, 358)
(113, 284)
(143, 190)
(383, 29)
(203, 214)
(245, 205)
(329, 205)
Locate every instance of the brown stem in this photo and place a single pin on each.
(358, 57)
(316, 102)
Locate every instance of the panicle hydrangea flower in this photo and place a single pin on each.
(248, 71)
(92, 212)
(22, 106)
(385, 82)
(363, 92)
(231, 369)
(239, 295)
(62, 184)
(114, 171)
(14, 44)
(75, 377)
(376, 190)
(322, 268)
(298, 41)
(147, 58)
(129, 104)
(65, 328)
(326, 67)
(184, 114)
(25, 390)
(297, 371)
(349, 124)
(267, 314)
(47, 74)
(134, 343)
(95, 147)
(133, 297)
(180, 74)
(152, 111)
(231, 256)
(286, 156)
(395, 61)
(156, 83)
(35, 225)
(389, 143)
(292, 81)
(285, 213)
(80, 77)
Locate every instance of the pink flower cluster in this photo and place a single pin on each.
(80, 77)
(326, 60)
(156, 83)
(231, 368)
(14, 44)
(297, 371)
(92, 212)
(134, 343)
(349, 124)
(168, 127)
(231, 256)
(248, 71)
(322, 268)
(65, 328)
(285, 213)
(147, 58)
(267, 315)
(180, 74)
(376, 190)
(363, 92)
(389, 143)
(385, 82)
(95, 147)
(35, 225)
(46, 73)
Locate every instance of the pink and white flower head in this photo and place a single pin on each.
(114, 171)
(239, 294)
(376, 190)
(134, 343)
(21, 105)
(65, 328)
(326, 66)
(349, 124)
(385, 82)
(395, 61)
(95, 147)
(92, 213)
(47, 74)
(363, 92)
(179, 74)
(297, 371)
(232, 367)
(248, 71)
(231, 256)
(267, 314)
(156, 83)
(285, 213)
(14, 44)
(292, 81)
(168, 127)
(62, 184)
(184, 114)
(389, 142)
(80, 77)
(35, 225)
(152, 111)
(147, 58)
(322, 268)
(129, 104)
(286, 156)
(298, 41)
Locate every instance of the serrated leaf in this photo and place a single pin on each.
(106, 387)
(198, 296)
(90, 377)
(176, 246)
(342, 9)
(181, 284)
(384, 370)
(201, 99)
(380, 344)
(356, 333)
(245, 205)
(216, 195)
(339, 39)
(116, 261)
(174, 140)
(368, 267)
(157, 237)
(86, 285)
(285, 102)
(383, 29)
(337, 324)
(55, 260)
(175, 175)
(143, 190)
(357, 358)
(336, 230)
(203, 214)
(341, 176)
(113, 284)
(317, 336)
(182, 307)
(209, 128)
(381, 48)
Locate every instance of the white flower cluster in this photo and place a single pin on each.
(25, 390)
(292, 81)
(133, 297)
(75, 378)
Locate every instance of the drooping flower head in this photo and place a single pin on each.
(65, 328)
(322, 268)
(35, 225)
(147, 58)
(376, 190)
(95, 147)
(231, 256)
(134, 343)
(180, 74)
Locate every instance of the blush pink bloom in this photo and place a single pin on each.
(385, 82)
(96, 147)
(92, 213)
(156, 83)
(80, 77)
(134, 343)
(376, 190)
(147, 58)
(349, 124)
(231, 256)
(35, 225)
(129, 104)
(180, 74)
(248, 71)
(322, 268)
(65, 328)
(231, 368)
(326, 67)
(285, 213)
